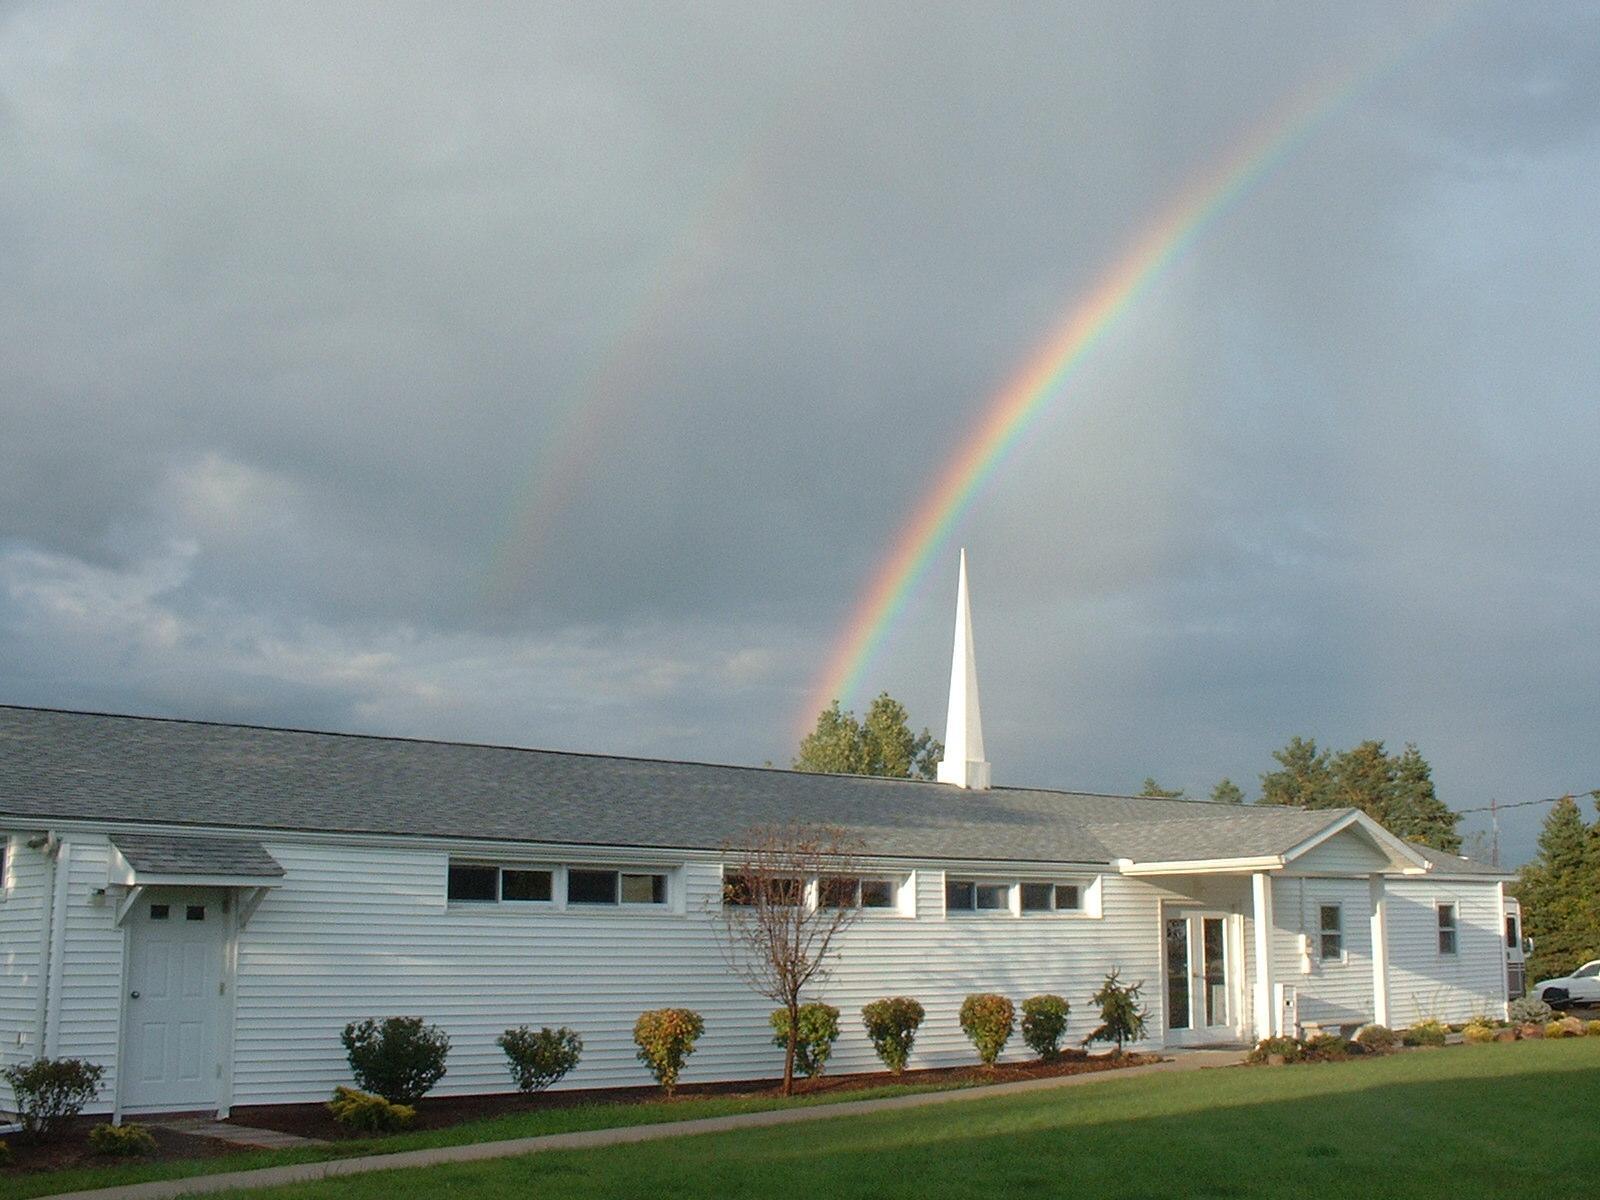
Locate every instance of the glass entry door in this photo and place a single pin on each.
(1199, 977)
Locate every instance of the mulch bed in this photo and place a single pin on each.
(71, 1148)
(441, 1112)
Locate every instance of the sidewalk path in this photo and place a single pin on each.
(166, 1189)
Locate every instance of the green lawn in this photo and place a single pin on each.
(1491, 1120)
(17, 1185)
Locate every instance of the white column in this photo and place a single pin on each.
(1380, 952)
(1261, 895)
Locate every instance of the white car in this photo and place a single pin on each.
(1581, 987)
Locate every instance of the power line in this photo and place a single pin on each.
(1594, 792)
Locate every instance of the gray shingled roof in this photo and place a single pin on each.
(163, 855)
(91, 766)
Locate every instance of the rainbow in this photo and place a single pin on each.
(1177, 227)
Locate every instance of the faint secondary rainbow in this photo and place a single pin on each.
(1175, 229)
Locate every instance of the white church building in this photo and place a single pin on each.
(201, 908)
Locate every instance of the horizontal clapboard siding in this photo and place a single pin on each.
(22, 907)
(1423, 982)
(1333, 992)
(90, 1003)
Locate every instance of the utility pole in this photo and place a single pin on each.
(1494, 824)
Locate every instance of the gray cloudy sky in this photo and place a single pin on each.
(559, 374)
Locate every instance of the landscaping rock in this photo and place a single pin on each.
(1570, 1027)
(1530, 1030)
(1505, 1035)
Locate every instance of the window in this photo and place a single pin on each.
(522, 885)
(159, 912)
(845, 892)
(1447, 929)
(739, 891)
(1587, 971)
(1051, 897)
(194, 912)
(585, 886)
(1511, 933)
(475, 884)
(1331, 927)
(969, 895)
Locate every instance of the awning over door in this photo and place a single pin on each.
(160, 860)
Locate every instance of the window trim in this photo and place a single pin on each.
(672, 888)
(1323, 932)
(1087, 908)
(976, 882)
(1453, 929)
(860, 881)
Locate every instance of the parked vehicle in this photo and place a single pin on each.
(1517, 950)
(1581, 987)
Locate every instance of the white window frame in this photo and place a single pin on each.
(1338, 931)
(619, 905)
(895, 882)
(558, 902)
(1009, 909)
(1053, 913)
(1453, 929)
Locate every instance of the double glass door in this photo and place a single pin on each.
(1199, 978)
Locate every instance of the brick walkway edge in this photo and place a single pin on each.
(334, 1168)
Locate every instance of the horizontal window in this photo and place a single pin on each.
(842, 892)
(745, 891)
(519, 884)
(468, 882)
(974, 895)
(586, 886)
(482, 883)
(1051, 897)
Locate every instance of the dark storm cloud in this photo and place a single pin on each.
(301, 302)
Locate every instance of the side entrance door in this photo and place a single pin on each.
(174, 1004)
(1199, 978)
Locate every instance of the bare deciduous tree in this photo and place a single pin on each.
(788, 891)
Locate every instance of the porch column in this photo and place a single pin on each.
(1261, 895)
(1380, 952)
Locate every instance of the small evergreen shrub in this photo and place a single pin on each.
(1425, 1033)
(51, 1091)
(1594, 1028)
(1285, 1048)
(1121, 1014)
(892, 1024)
(1476, 1034)
(366, 1113)
(816, 1032)
(538, 1059)
(1044, 1024)
(122, 1141)
(1529, 1010)
(398, 1058)
(1327, 1047)
(987, 1018)
(666, 1037)
(1377, 1038)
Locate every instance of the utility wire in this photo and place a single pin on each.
(1595, 792)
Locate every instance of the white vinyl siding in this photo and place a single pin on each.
(21, 926)
(1451, 987)
(1349, 852)
(1335, 991)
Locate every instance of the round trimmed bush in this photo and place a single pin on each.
(666, 1038)
(1477, 1034)
(1284, 1049)
(1044, 1024)
(398, 1058)
(536, 1060)
(1377, 1038)
(988, 1018)
(1425, 1033)
(1529, 1009)
(892, 1024)
(816, 1031)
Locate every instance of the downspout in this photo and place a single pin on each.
(58, 950)
(49, 845)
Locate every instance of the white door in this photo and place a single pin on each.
(174, 1005)
(1199, 978)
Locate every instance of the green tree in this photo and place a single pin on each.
(1227, 792)
(1155, 790)
(1304, 777)
(881, 744)
(1419, 813)
(1558, 893)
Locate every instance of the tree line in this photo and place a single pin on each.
(1560, 892)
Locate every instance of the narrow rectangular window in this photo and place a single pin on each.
(474, 884)
(738, 891)
(524, 885)
(1511, 932)
(158, 912)
(837, 891)
(1447, 929)
(1038, 897)
(1067, 897)
(959, 895)
(644, 889)
(591, 887)
(194, 912)
(1332, 932)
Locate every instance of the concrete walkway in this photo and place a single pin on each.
(165, 1189)
(244, 1136)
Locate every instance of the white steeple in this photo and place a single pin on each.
(963, 763)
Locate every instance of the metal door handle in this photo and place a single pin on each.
(135, 995)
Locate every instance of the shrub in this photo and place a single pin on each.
(1121, 1014)
(123, 1141)
(398, 1058)
(1425, 1033)
(1565, 1027)
(666, 1037)
(892, 1023)
(1376, 1038)
(51, 1091)
(1555, 1029)
(1594, 1028)
(1327, 1047)
(1530, 1009)
(987, 1018)
(1477, 1034)
(1285, 1048)
(1044, 1024)
(536, 1060)
(5, 1154)
(816, 1031)
(368, 1113)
